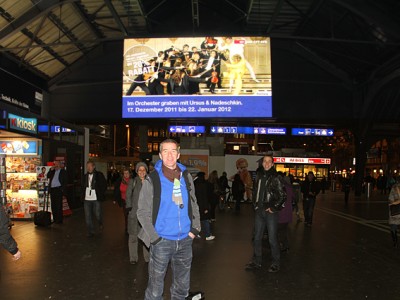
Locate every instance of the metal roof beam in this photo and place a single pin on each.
(237, 8)
(195, 14)
(327, 66)
(89, 20)
(155, 8)
(38, 27)
(40, 9)
(67, 31)
(371, 15)
(116, 17)
(277, 10)
(45, 47)
(250, 7)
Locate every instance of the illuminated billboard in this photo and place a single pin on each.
(228, 77)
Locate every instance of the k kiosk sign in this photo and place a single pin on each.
(19, 123)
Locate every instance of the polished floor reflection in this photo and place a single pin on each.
(347, 254)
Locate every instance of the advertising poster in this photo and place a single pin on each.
(201, 77)
(195, 161)
(21, 147)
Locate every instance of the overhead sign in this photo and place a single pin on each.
(313, 131)
(187, 129)
(248, 130)
(303, 160)
(17, 92)
(270, 130)
(22, 124)
(45, 128)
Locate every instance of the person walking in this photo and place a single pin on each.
(394, 217)
(268, 196)
(286, 215)
(169, 215)
(224, 185)
(310, 190)
(297, 196)
(324, 184)
(57, 183)
(204, 191)
(120, 191)
(94, 189)
(132, 199)
(346, 187)
(6, 240)
(238, 190)
(214, 181)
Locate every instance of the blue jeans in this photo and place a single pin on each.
(308, 207)
(206, 227)
(270, 221)
(92, 208)
(179, 253)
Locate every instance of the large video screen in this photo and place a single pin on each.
(197, 77)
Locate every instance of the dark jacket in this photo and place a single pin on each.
(223, 183)
(269, 191)
(62, 177)
(203, 191)
(99, 184)
(285, 215)
(6, 240)
(238, 188)
(310, 188)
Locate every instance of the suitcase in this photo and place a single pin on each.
(43, 218)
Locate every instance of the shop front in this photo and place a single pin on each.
(21, 156)
(298, 167)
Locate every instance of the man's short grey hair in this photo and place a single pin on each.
(169, 141)
(91, 162)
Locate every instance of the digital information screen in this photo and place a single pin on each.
(197, 77)
(313, 131)
(248, 130)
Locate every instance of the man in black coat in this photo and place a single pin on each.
(204, 190)
(94, 189)
(269, 196)
(310, 190)
(57, 186)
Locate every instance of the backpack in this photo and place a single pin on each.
(155, 178)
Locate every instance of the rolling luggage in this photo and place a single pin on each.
(43, 218)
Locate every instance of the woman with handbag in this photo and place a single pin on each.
(394, 212)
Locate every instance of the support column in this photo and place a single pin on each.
(85, 149)
(143, 140)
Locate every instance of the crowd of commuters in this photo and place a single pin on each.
(165, 209)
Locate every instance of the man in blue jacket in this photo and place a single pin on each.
(169, 215)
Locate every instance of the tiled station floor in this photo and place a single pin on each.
(346, 254)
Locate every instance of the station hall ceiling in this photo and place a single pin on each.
(350, 38)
